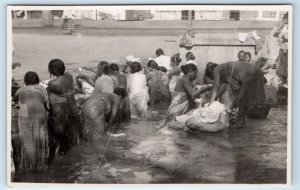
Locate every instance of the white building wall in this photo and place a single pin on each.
(208, 15)
(166, 15)
(214, 15)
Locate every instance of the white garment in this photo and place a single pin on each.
(164, 61)
(192, 62)
(137, 84)
(242, 37)
(104, 84)
(131, 58)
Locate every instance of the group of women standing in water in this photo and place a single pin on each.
(51, 118)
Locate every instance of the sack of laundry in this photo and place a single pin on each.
(212, 118)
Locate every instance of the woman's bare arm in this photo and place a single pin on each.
(189, 89)
(215, 85)
(114, 113)
(175, 71)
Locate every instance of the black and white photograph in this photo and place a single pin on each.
(149, 94)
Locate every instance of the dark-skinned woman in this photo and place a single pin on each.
(185, 92)
(250, 80)
(65, 123)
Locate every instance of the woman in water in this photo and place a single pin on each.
(251, 86)
(32, 122)
(120, 81)
(185, 92)
(65, 122)
(138, 91)
(158, 92)
(104, 83)
(100, 112)
(174, 74)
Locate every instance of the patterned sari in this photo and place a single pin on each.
(179, 106)
(33, 128)
(94, 112)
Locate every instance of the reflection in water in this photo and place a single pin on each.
(148, 155)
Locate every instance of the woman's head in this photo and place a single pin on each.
(152, 65)
(189, 56)
(114, 68)
(189, 70)
(163, 69)
(106, 69)
(210, 69)
(135, 67)
(31, 78)
(56, 67)
(241, 55)
(159, 52)
(100, 67)
(175, 60)
(247, 56)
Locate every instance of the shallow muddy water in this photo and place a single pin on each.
(144, 153)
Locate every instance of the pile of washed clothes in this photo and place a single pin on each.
(212, 118)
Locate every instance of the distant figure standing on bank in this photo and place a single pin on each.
(242, 55)
(282, 60)
(248, 58)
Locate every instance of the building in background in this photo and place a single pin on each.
(138, 15)
(218, 15)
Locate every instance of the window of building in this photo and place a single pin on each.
(34, 14)
(57, 13)
(185, 15)
(248, 15)
(269, 14)
(234, 15)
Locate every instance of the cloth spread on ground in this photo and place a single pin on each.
(209, 114)
(210, 119)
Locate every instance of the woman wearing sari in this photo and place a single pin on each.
(174, 74)
(64, 123)
(185, 92)
(32, 122)
(100, 112)
(120, 81)
(158, 92)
